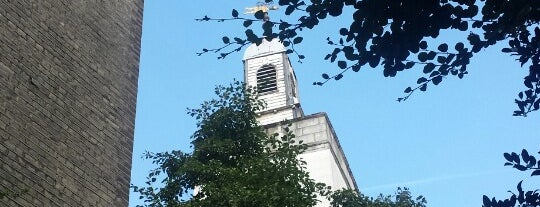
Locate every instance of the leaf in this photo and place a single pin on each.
(429, 67)
(515, 157)
(289, 10)
(423, 56)
(506, 50)
(247, 23)
(325, 76)
(421, 80)
(407, 90)
(356, 68)
(343, 31)
(459, 46)
(423, 87)
(286, 43)
(508, 157)
(520, 167)
(487, 201)
(226, 40)
(327, 56)
(409, 65)
(443, 47)
(535, 173)
(259, 14)
(298, 40)
(463, 26)
(342, 64)
(441, 59)
(235, 13)
(423, 45)
(339, 76)
(525, 155)
(477, 24)
(437, 80)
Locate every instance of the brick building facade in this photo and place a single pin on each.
(68, 87)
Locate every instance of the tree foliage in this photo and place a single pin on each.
(522, 162)
(233, 163)
(394, 34)
(350, 198)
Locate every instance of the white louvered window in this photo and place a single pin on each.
(266, 79)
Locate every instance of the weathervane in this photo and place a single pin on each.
(262, 6)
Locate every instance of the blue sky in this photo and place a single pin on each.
(445, 144)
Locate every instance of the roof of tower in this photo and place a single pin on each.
(265, 48)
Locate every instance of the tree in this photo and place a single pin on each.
(393, 34)
(350, 198)
(233, 163)
(522, 198)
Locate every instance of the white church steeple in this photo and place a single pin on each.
(268, 68)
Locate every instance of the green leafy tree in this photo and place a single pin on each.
(393, 33)
(401, 198)
(522, 162)
(233, 163)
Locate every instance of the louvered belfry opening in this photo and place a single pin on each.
(266, 79)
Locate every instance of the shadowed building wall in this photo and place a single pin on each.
(68, 87)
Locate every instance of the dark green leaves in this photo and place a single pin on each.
(297, 40)
(249, 164)
(423, 56)
(388, 34)
(343, 31)
(408, 90)
(247, 23)
(443, 47)
(436, 80)
(342, 64)
(226, 40)
(423, 45)
(259, 14)
(421, 80)
(459, 46)
(325, 76)
(402, 198)
(289, 10)
(429, 67)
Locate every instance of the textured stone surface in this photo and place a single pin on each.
(68, 86)
(324, 156)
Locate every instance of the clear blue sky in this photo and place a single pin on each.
(445, 144)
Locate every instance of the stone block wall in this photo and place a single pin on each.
(68, 88)
(326, 161)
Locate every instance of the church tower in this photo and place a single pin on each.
(267, 67)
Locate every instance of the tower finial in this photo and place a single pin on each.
(262, 6)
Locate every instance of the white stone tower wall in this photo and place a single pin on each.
(325, 159)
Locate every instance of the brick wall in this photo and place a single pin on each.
(68, 87)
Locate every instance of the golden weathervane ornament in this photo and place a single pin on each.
(262, 6)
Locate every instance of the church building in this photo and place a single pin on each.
(267, 67)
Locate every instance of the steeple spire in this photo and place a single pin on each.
(267, 67)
